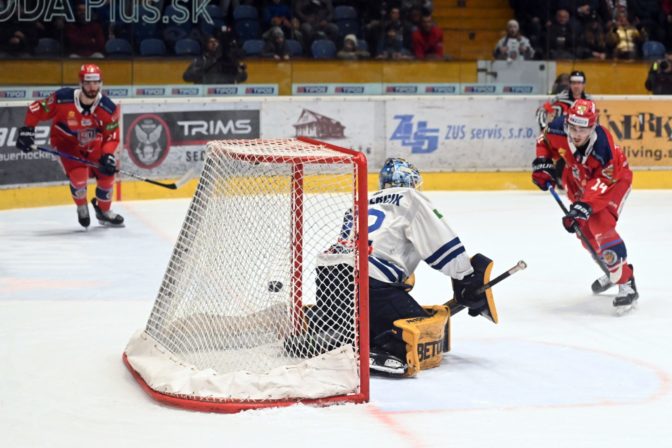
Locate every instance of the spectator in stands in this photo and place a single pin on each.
(276, 46)
(594, 41)
(666, 7)
(583, 11)
(277, 13)
(659, 80)
(109, 14)
(413, 19)
(562, 36)
(647, 15)
(624, 39)
(17, 38)
(217, 65)
(513, 46)
(350, 49)
(393, 46)
(376, 30)
(85, 39)
(428, 40)
(533, 16)
(315, 17)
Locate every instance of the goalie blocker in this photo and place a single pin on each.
(408, 345)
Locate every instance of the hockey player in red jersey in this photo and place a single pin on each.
(598, 180)
(85, 124)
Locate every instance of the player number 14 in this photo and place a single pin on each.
(599, 185)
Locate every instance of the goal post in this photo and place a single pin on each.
(264, 302)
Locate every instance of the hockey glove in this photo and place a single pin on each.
(26, 139)
(108, 164)
(465, 293)
(578, 214)
(543, 172)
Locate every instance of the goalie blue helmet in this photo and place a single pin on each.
(398, 172)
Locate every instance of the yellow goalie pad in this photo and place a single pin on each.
(426, 338)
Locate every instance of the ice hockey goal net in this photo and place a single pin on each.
(265, 298)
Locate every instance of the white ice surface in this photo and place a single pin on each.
(560, 370)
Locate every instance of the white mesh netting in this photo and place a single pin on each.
(259, 301)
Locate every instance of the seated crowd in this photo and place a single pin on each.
(590, 29)
(345, 29)
(278, 29)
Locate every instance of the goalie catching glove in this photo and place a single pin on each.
(466, 290)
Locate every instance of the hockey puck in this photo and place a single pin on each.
(274, 286)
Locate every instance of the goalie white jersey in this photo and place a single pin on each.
(404, 228)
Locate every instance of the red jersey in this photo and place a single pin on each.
(428, 44)
(590, 173)
(76, 129)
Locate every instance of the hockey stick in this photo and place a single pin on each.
(172, 186)
(578, 231)
(456, 307)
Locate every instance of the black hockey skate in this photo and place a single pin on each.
(108, 218)
(601, 284)
(627, 296)
(382, 363)
(83, 215)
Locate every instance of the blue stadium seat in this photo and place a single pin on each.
(218, 20)
(118, 48)
(143, 30)
(187, 47)
(362, 45)
(295, 47)
(245, 12)
(246, 22)
(323, 49)
(653, 49)
(173, 14)
(48, 47)
(153, 47)
(172, 30)
(346, 19)
(253, 47)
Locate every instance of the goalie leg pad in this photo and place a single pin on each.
(425, 338)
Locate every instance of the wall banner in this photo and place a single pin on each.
(351, 124)
(17, 167)
(461, 133)
(167, 140)
(642, 128)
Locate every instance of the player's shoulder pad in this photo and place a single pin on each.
(65, 95)
(557, 126)
(107, 104)
(602, 150)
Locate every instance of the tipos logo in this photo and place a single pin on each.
(149, 141)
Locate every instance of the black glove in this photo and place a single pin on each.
(108, 164)
(26, 139)
(543, 172)
(579, 213)
(465, 293)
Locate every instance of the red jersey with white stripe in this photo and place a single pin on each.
(78, 129)
(592, 172)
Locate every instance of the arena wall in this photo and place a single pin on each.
(458, 142)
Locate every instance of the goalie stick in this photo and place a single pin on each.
(578, 231)
(171, 186)
(456, 307)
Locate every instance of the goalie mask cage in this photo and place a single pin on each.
(265, 299)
